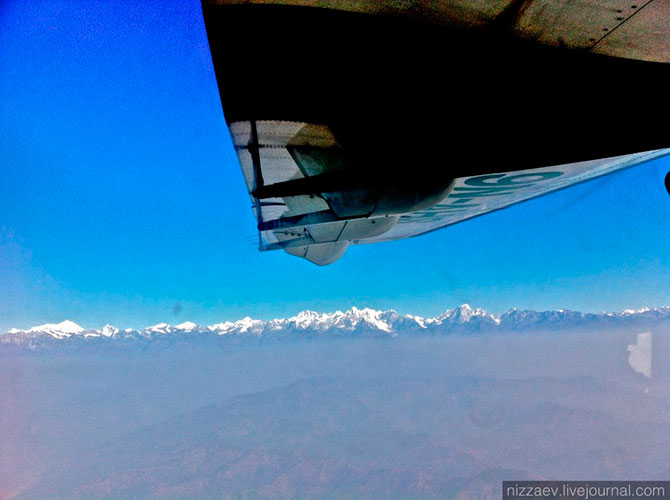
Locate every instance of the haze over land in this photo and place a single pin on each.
(358, 404)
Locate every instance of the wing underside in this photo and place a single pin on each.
(293, 173)
(473, 196)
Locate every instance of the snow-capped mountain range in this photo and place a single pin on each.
(308, 324)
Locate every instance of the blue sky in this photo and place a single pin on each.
(121, 200)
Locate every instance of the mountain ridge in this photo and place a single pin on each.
(355, 321)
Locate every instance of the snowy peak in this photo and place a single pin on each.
(366, 317)
(466, 314)
(165, 328)
(221, 328)
(66, 326)
(109, 331)
(159, 328)
(244, 325)
(186, 325)
(353, 319)
(63, 329)
(308, 319)
(248, 325)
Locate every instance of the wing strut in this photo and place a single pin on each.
(258, 176)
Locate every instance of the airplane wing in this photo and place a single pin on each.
(359, 122)
(278, 158)
(473, 196)
(635, 30)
